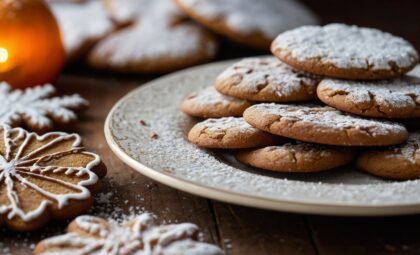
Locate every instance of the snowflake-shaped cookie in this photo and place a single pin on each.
(34, 107)
(138, 236)
(44, 176)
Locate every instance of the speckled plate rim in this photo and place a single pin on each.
(229, 196)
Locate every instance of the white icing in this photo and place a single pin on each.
(14, 167)
(210, 97)
(34, 107)
(136, 236)
(221, 125)
(268, 17)
(347, 47)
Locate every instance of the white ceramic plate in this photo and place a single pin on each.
(171, 160)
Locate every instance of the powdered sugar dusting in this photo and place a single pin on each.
(209, 96)
(347, 47)
(227, 123)
(409, 150)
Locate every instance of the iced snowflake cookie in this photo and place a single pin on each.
(343, 51)
(43, 177)
(296, 157)
(400, 162)
(36, 109)
(161, 39)
(229, 133)
(96, 236)
(208, 103)
(394, 98)
(324, 125)
(82, 25)
(253, 23)
(266, 80)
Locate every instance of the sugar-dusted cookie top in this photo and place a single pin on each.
(343, 51)
(393, 98)
(267, 80)
(324, 125)
(254, 23)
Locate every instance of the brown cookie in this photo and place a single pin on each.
(400, 162)
(296, 157)
(44, 177)
(395, 98)
(229, 133)
(342, 51)
(324, 125)
(266, 80)
(208, 103)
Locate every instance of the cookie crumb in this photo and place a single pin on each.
(142, 122)
(153, 135)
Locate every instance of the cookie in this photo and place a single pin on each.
(266, 80)
(44, 177)
(139, 235)
(253, 23)
(208, 103)
(36, 109)
(400, 162)
(394, 98)
(82, 24)
(161, 39)
(324, 125)
(228, 133)
(342, 51)
(296, 157)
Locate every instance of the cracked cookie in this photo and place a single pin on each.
(229, 133)
(324, 125)
(400, 162)
(296, 157)
(208, 103)
(343, 51)
(267, 80)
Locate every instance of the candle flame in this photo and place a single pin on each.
(4, 55)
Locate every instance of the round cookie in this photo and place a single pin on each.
(208, 103)
(324, 125)
(249, 22)
(400, 162)
(296, 157)
(394, 98)
(342, 51)
(266, 80)
(229, 133)
(160, 39)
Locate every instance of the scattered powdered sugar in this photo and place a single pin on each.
(220, 125)
(347, 47)
(268, 17)
(302, 147)
(209, 96)
(409, 150)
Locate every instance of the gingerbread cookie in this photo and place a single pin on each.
(228, 133)
(208, 103)
(400, 162)
(36, 109)
(253, 23)
(266, 80)
(161, 39)
(342, 51)
(296, 157)
(324, 125)
(395, 98)
(43, 177)
(140, 235)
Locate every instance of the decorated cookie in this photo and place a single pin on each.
(343, 51)
(160, 39)
(43, 177)
(82, 25)
(228, 133)
(400, 162)
(208, 103)
(324, 125)
(395, 98)
(266, 80)
(140, 235)
(253, 23)
(36, 109)
(296, 157)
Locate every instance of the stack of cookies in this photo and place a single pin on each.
(332, 95)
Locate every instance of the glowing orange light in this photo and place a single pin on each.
(4, 55)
